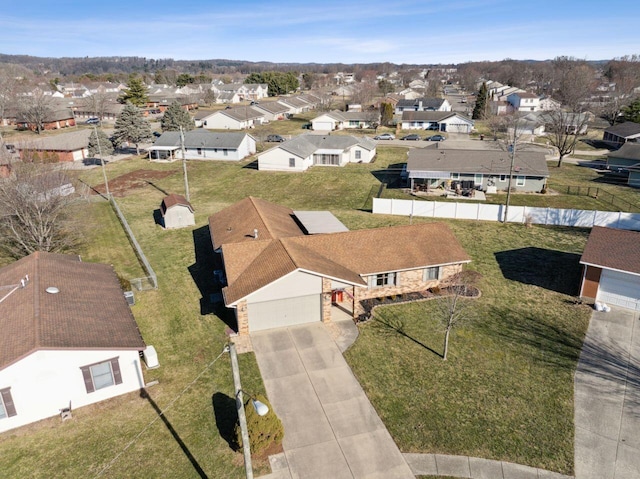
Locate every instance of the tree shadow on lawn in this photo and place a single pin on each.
(553, 270)
(202, 272)
(603, 366)
(397, 326)
(226, 414)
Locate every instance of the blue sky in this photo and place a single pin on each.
(328, 31)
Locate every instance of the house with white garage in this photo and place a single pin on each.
(422, 104)
(286, 267)
(611, 268)
(436, 120)
(304, 151)
(238, 118)
(343, 120)
(295, 104)
(203, 145)
(68, 338)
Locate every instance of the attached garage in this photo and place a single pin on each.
(619, 289)
(284, 312)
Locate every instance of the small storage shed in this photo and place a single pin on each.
(611, 267)
(176, 212)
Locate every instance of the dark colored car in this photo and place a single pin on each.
(412, 137)
(306, 126)
(275, 138)
(157, 134)
(92, 121)
(432, 127)
(384, 136)
(435, 138)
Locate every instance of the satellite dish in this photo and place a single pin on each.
(52, 290)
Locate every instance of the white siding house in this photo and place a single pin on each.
(203, 145)
(239, 118)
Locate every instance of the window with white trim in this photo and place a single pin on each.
(101, 375)
(431, 273)
(7, 408)
(358, 155)
(455, 176)
(520, 180)
(383, 279)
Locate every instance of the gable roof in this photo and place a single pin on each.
(273, 107)
(174, 200)
(201, 138)
(344, 256)
(613, 249)
(236, 223)
(434, 103)
(89, 311)
(436, 116)
(487, 162)
(629, 151)
(75, 140)
(305, 145)
(628, 128)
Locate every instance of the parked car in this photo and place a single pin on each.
(157, 134)
(306, 126)
(384, 136)
(92, 121)
(275, 138)
(412, 137)
(435, 138)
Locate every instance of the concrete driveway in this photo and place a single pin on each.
(607, 398)
(331, 429)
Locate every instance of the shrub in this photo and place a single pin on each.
(263, 430)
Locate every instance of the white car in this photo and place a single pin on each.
(384, 136)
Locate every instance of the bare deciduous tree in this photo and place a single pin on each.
(563, 130)
(97, 104)
(453, 306)
(34, 204)
(574, 81)
(34, 109)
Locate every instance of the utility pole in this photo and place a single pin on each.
(242, 418)
(104, 171)
(184, 165)
(512, 147)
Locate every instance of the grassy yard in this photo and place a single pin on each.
(506, 383)
(506, 390)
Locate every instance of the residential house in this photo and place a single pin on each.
(523, 101)
(422, 104)
(295, 104)
(54, 119)
(203, 145)
(238, 118)
(549, 104)
(622, 132)
(626, 160)
(341, 120)
(487, 170)
(304, 151)
(436, 120)
(272, 110)
(278, 276)
(611, 268)
(72, 146)
(241, 92)
(176, 212)
(499, 107)
(68, 338)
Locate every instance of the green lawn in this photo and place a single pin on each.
(481, 388)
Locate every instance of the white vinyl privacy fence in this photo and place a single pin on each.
(517, 214)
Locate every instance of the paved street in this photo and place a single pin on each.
(331, 428)
(607, 398)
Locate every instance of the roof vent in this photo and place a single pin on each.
(255, 234)
(52, 290)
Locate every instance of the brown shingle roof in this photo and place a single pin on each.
(237, 222)
(88, 312)
(613, 249)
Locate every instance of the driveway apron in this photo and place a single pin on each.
(331, 428)
(607, 398)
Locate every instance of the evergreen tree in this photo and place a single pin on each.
(135, 93)
(100, 145)
(632, 112)
(279, 83)
(386, 113)
(131, 127)
(175, 117)
(183, 79)
(480, 110)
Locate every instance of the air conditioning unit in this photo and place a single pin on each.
(129, 297)
(150, 357)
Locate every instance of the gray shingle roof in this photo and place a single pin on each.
(627, 128)
(75, 140)
(628, 151)
(201, 139)
(305, 145)
(434, 103)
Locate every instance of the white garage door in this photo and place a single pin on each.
(619, 289)
(323, 125)
(284, 312)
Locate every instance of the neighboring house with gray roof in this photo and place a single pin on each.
(68, 338)
(422, 104)
(73, 146)
(626, 160)
(431, 168)
(272, 110)
(295, 104)
(436, 120)
(278, 276)
(304, 151)
(238, 118)
(341, 120)
(203, 145)
(622, 132)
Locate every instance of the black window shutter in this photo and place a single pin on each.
(9, 407)
(88, 381)
(115, 367)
